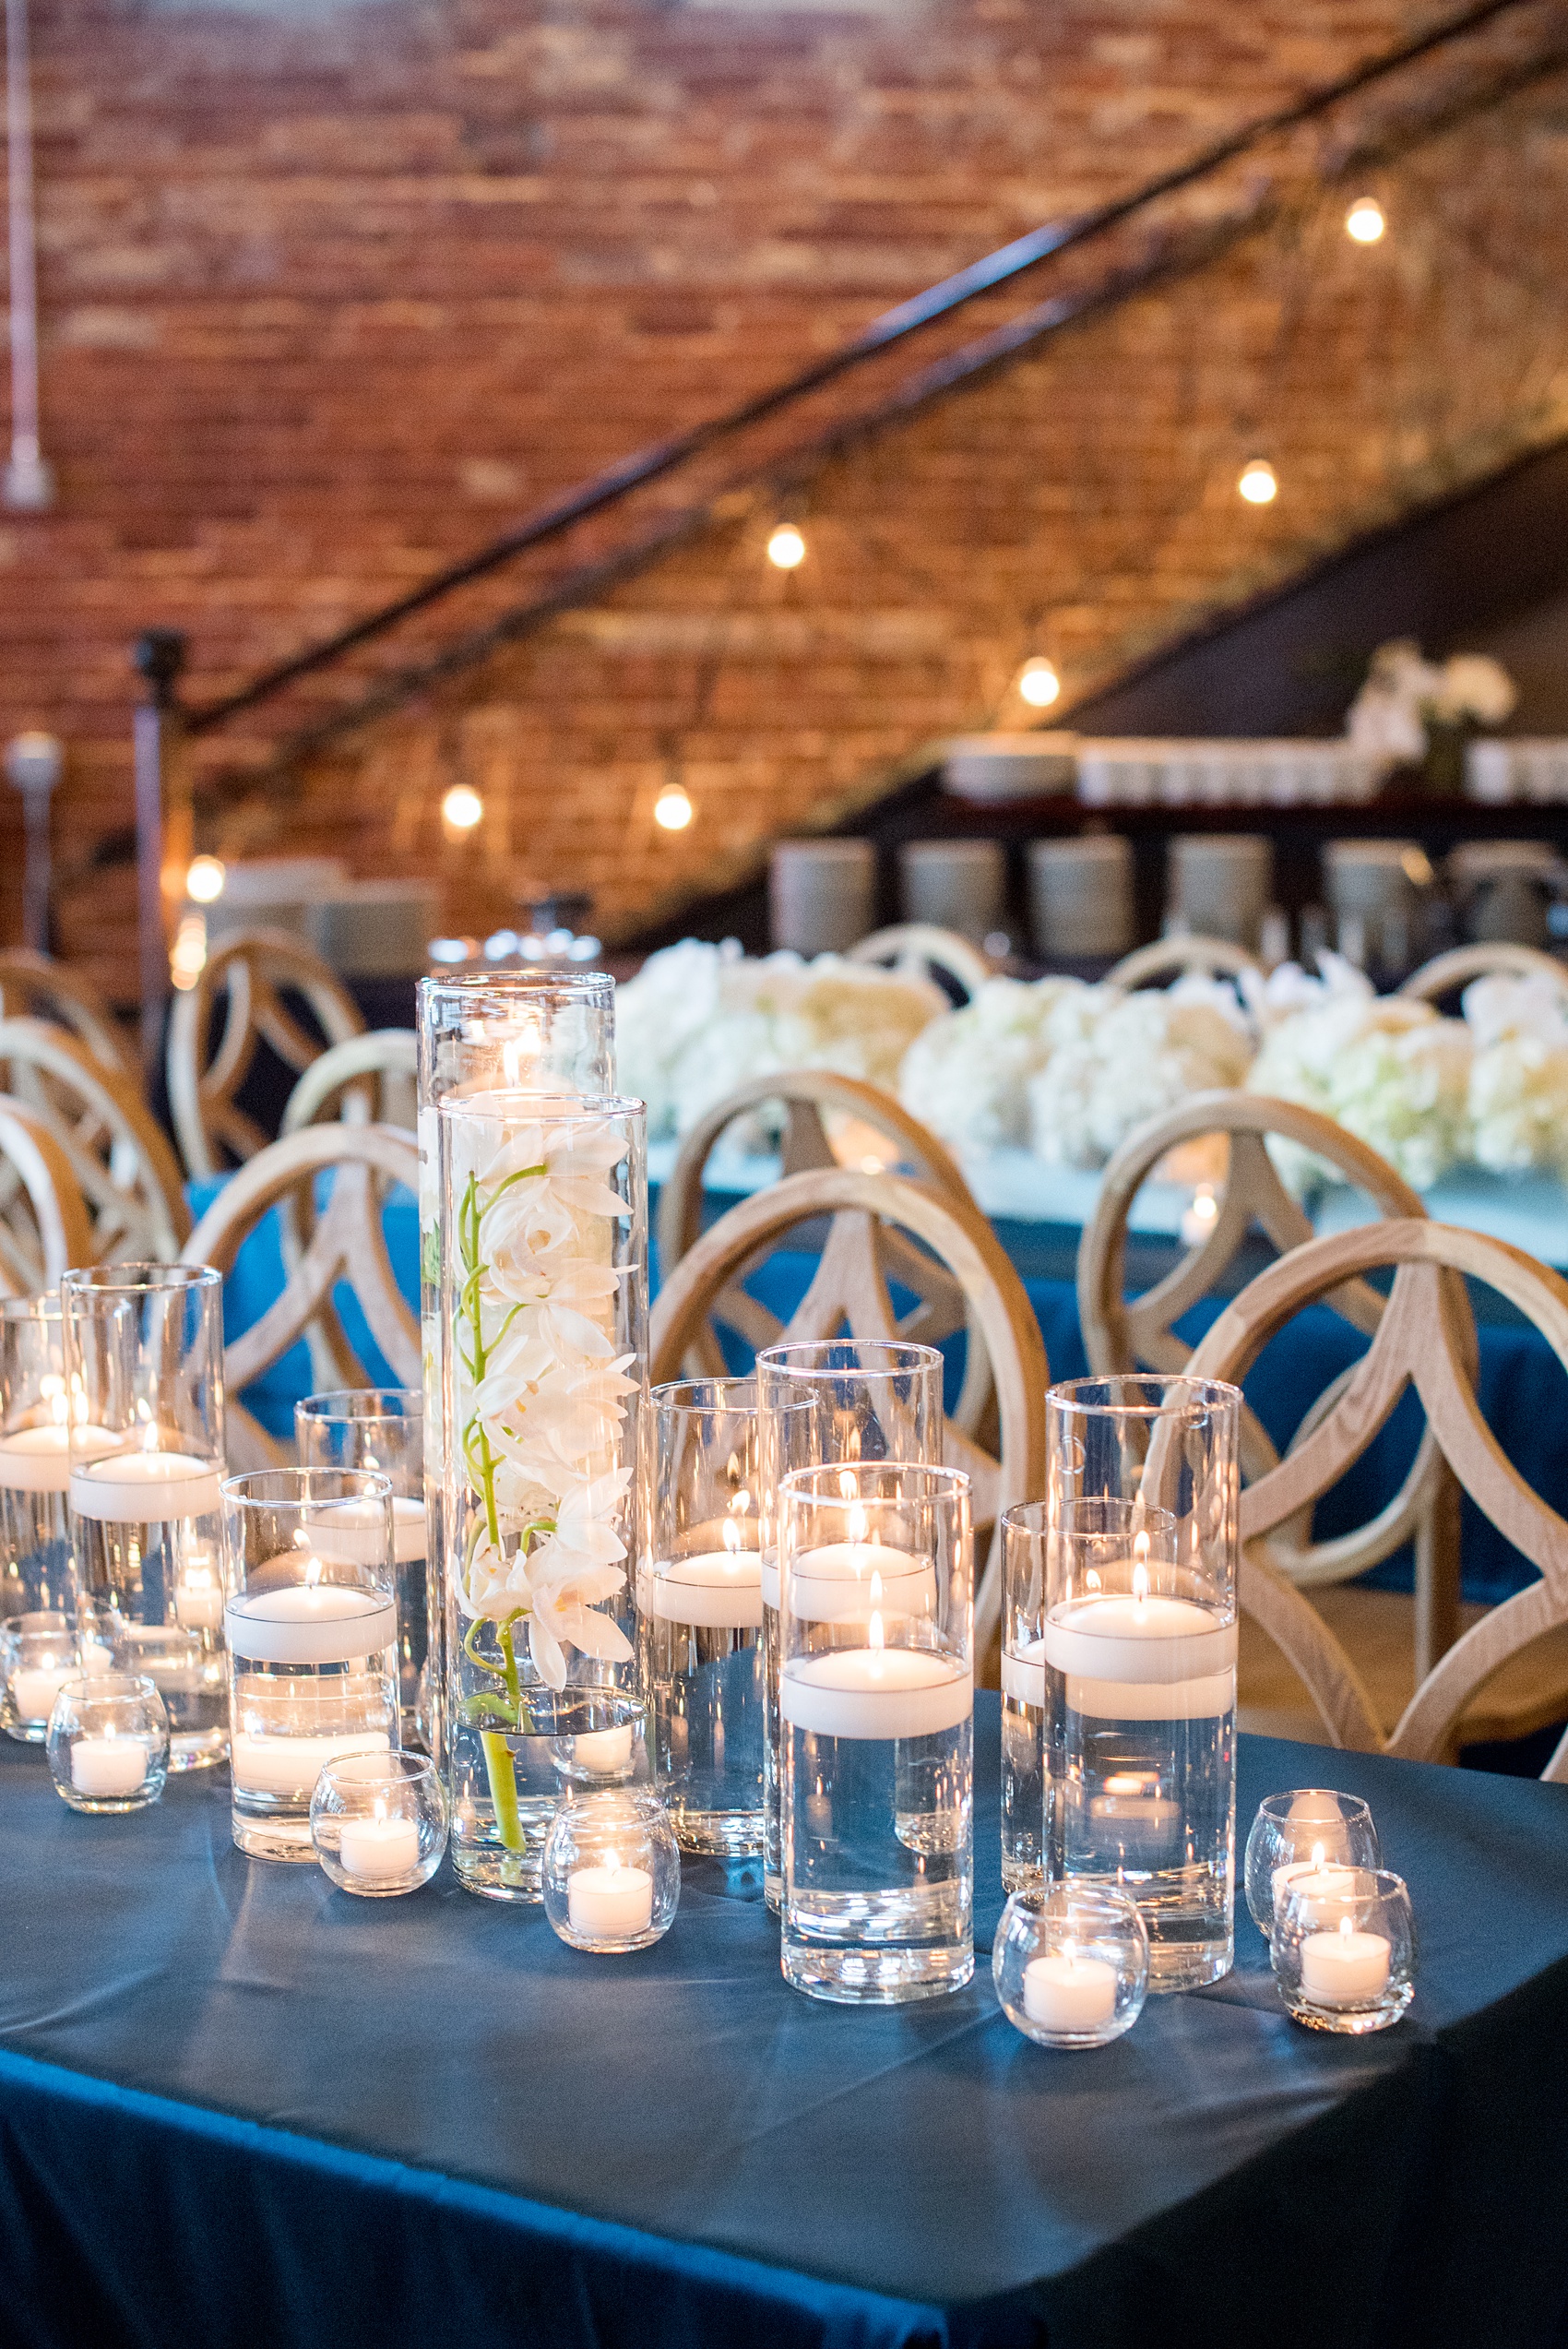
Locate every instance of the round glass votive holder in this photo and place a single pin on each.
(611, 1869)
(38, 1656)
(1311, 1827)
(1069, 1963)
(378, 1823)
(1344, 1950)
(109, 1741)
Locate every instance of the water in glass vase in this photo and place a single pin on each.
(156, 1607)
(705, 1694)
(879, 1860)
(313, 1675)
(1147, 1805)
(1023, 1788)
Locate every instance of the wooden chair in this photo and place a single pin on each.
(34, 986)
(1508, 1674)
(849, 1291)
(369, 1080)
(924, 947)
(1446, 973)
(1168, 958)
(346, 1243)
(805, 1094)
(1123, 1333)
(116, 1152)
(251, 973)
(46, 1228)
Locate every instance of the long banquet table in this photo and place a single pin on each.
(239, 2107)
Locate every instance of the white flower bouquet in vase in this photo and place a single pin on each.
(543, 1298)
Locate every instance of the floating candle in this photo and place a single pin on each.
(1141, 1656)
(38, 1459)
(274, 1762)
(309, 1623)
(144, 1487)
(876, 1692)
(711, 1588)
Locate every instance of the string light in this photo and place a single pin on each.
(1365, 221)
(205, 878)
(673, 810)
(1258, 484)
(786, 547)
(1038, 683)
(461, 809)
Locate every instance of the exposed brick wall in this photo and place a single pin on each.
(326, 302)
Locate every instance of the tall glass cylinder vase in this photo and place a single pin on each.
(382, 1429)
(699, 1613)
(37, 1560)
(822, 1403)
(1138, 1648)
(311, 1624)
(534, 1031)
(877, 1702)
(144, 1367)
(543, 1298)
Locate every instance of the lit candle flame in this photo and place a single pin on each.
(848, 1483)
(874, 1634)
(1091, 1580)
(1318, 1850)
(1345, 1928)
(613, 1862)
(876, 1594)
(742, 1504)
(1140, 1586)
(731, 1535)
(1070, 1950)
(855, 1525)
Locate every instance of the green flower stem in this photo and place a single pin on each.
(502, 1777)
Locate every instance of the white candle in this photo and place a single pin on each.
(1318, 1890)
(198, 1594)
(1023, 1673)
(1141, 1656)
(608, 1904)
(38, 1459)
(35, 1687)
(108, 1765)
(1345, 1968)
(380, 1849)
(276, 1764)
(309, 1623)
(846, 1581)
(144, 1487)
(603, 1749)
(717, 1589)
(1066, 1992)
(876, 1692)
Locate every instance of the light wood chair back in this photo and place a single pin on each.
(34, 986)
(1168, 958)
(369, 1080)
(46, 1228)
(1122, 1333)
(1421, 1341)
(1456, 969)
(849, 1292)
(926, 948)
(249, 975)
(115, 1148)
(805, 1094)
(346, 1243)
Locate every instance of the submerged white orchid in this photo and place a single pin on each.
(541, 1395)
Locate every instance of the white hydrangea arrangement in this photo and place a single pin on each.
(1405, 696)
(699, 1020)
(1142, 1055)
(1518, 1090)
(967, 1076)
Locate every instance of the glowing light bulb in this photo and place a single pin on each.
(1365, 221)
(673, 810)
(462, 808)
(786, 548)
(204, 879)
(1038, 683)
(1258, 485)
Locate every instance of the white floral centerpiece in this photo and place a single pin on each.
(544, 1305)
(1411, 710)
(698, 1020)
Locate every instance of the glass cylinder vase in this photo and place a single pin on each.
(311, 1634)
(877, 1702)
(37, 1560)
(699, 1613)
(822, 1401)
(1138, 1645)
(382, 1429)
(531, 1031)
(543, 1298)
(144, 1364)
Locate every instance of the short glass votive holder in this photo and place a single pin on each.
(601, 1739)
(611, 1869)
(1344, 1950)
(109, 1741)
(378, 1823)
(38, 1656)
(1296, 1833)
(1069, 1963)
